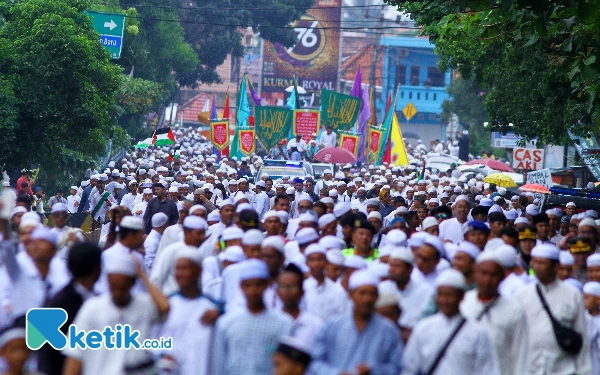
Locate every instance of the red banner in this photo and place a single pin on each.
(247, 141)
(219, 134)
(374, 139)
(306, 122)
(349, 142)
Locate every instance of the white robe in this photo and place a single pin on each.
(593, 330)
(451, 230)
(163, 269)
(413, 300)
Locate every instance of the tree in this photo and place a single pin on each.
(57, 84)
(536, 60)
(135, 99)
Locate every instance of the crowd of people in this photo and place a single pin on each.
(369, 270)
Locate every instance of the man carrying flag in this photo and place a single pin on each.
(163, 136)
(175, 155)
(101, 201)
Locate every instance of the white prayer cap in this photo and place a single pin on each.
(195, 255)
(385, 250)
(574, 283)
(593, 260)
(429, 222)
(326, 220)
(85, 183)
(306, 235)
(522, 219)
(58, 207)
(276, 242)
(451, 278)
(417, 239)
(489, 256)
(486, 202)
(565, 258)
(362, 278)
(437, 244)
(234, 254)
(11, 334)
(335, 256)
(592, 287)
(333, 193)
(306, 217)
(510, 214)
(396, 237)
(253, 237)
(243, 206)
(18, 210)
(232, 233)
(122, 264)
(283, 216)
(379, 269)
(194, 222)
(43, 233)
(314, 249)
(403, 254)
(254, 269)
(532, 210)
(173, 189)
(546, 251)
(469, 248)
(461, 198)
(355, 261)
(332, 242)
(196, 207)
(226, 202)
(132, 222)
(387, 297)
(290, 191)
(508, 255)
(590, 186)
(493, 244)
(376, 215)
(30, 219)
(159, 219)
(326, 200)
(587, 222)
(570, 204)
(341, 208)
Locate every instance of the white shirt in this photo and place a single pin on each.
(511, 285)
(172, 234)
(506, 324)
(163, 270)
(471, 352)
(566, 304)
(328, 140)
(413, 300)
(99, 312)
(453, 150)
(429, 279)
(326, 300)
(150, 247)
(94, 199)
(439, 148)
(101, 286)
(261, 204)
(73, 203)
(593, 331)
(306, 327)
(128, 200)
(140, 207)
(451, 230)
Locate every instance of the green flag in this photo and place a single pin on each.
(386, 127)
(338, 110)
(272, 125)
(241, 119)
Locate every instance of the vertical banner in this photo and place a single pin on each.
(272, 125)
(247, 141)
(349, 142)
(314, 57)
(306, 122)
(374, 139)
(338, 110)
(219, 134)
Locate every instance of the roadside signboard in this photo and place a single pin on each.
(111, 28)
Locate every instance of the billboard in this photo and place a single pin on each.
(314, 57)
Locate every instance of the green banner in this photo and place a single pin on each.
(338, 110)
(272, 125)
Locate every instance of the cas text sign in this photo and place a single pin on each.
(528, 158)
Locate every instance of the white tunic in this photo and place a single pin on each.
(326, 300)
(429, 279)
(261, 204)
(150, 248)
(470, 353)
(128, 200)
(593, 330)
(328, 140)
(99, 312)
(94, 199)
(172, 234)
(73, 203)
(101, 286)
(413, 300)
(566, 304)
(451, 230)
(163, 269)
(506, 324)
(511, 285)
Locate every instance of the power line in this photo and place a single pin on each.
(250, 8)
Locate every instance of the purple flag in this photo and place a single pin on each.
(356, 86)
(253, 94)
(363, 119)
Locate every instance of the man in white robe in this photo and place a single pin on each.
(451, 229)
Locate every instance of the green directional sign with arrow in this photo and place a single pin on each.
(111, 28)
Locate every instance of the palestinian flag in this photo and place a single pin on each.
(144, 144)
(163, 136)
(175, 154)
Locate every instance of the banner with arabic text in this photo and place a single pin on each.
(247, 140)
(272, 125)
(306, 122)
(349, 142)
(219, 134)
(338, 110)
(374, 138)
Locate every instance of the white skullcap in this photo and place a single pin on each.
(187, 252)
(532, 210)
(332, 242)
(335, 256)
(355, 261)
(326, 200)
(197, 207)
(387, 297)
(508, 255)
(122, 264)
(59, 207)
(276, 242)
(429, 222)
(18, 210)
(314, 249)
(341, 208)
(333, 193)
(461, 198)
(326, 220)
(437, 244)
(306, 235)
(43, 233)
(489, 256)
(253, 237)
(232, 233)
(385, 250)
(290, 191)
(376, 215)
(132, 222)
(587, 222)
(565, 258)
(592, 287)
(159, 219)
(486, 202)
(12, 334)
(147, 191)
(194, 222)
(469, 248)
(546, 251)
(379, 269)
(510, 214)
(173, 189)
(214, 216)
(396, 237)
(451, 278)
(283, 216)
(254, 269)
(417, 239)
(493, 244)
(591, 214)
(243, 206)
(403, 254)
(593, 260)
(269, 214)
(233, 254)
(30, 218)
(522, 219)
(362, 278)
(306, 217)
(226, 202)
(570, 204)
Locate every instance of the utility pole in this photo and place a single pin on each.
(373, 78)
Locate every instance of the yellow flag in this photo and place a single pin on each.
(398, 152)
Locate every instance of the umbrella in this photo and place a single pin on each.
(494, 164)
(301, 89)
(535, 188)
(501, 180)
(335, 155)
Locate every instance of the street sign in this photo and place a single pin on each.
(111, 28)
(409, 111)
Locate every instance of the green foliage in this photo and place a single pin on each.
(536, 60)
(57, 84)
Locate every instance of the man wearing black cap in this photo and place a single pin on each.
(362, 235)
(160, 203)
(542, 225)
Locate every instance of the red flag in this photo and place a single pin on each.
(389, 103)
(387, 154)
(226, 108)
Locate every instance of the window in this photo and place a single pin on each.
(400, 75)
(410, 95)
(434, 96)
(414, 75)
(418, 96)
(435, 78)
